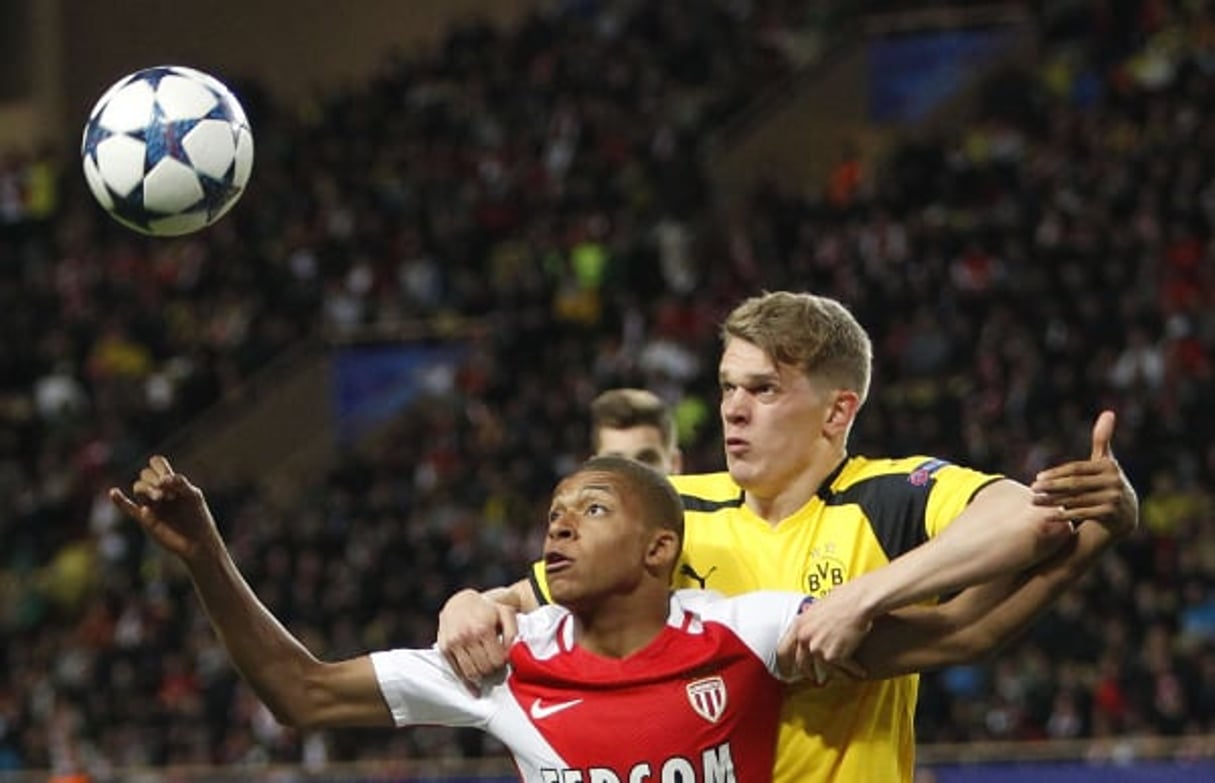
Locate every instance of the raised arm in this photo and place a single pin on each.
(999, 534)
(298, 688)
(980, 620)
(985, 617)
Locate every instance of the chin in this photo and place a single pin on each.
(562, 595)
(742, 472)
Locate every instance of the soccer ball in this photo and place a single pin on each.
(167, 150)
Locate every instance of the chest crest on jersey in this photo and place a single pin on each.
(824, 573)
(708, 697)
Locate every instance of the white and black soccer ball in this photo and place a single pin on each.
(167, 150)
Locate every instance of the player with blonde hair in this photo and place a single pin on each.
(794, 510)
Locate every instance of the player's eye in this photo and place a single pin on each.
(649, 457)
(596, 509)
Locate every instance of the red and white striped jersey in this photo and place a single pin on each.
(701, 702)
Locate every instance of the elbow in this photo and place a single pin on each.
(288, 717)
(296, 701)
(292, 712)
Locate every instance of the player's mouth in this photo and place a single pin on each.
(737, 445)
(555, 563)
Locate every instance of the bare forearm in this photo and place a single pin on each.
(1000, 534)
(918, 638)
(267, 656)
(299, 689)
(1041, 589)
(981, 619)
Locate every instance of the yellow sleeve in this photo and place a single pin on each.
(954, 488)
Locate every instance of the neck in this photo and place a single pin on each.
(782, 503)
(619, 628)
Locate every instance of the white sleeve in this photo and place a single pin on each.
(760, 619)
(419, 687)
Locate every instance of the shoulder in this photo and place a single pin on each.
(759, 620)
(902, 475)
(712, 606)
(707, 492)
(541, 623)
(907, 499)
(539, 630)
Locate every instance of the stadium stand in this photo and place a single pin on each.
(1047, 257)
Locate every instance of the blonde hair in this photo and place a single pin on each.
(816, 334)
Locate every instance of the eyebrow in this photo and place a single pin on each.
(755, 377)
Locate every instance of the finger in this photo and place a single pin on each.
(471, 683)
(490, 657)
(1085, 509)
(124, 503)
(510, 626)
(147, 490)
(1076, 497)
(1092, 511)
(1064, 516)
(786, 655)
(479, 659)
(851, 669)
(175, 485)
(464, 666)
(1070, 470)
(1098, 476)
(1103, 434)
(161, 465)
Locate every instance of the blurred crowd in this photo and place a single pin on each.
(1047, 258)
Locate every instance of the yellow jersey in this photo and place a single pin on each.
(866, 513)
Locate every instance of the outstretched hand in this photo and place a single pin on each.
(169, 508)
(1095, 488)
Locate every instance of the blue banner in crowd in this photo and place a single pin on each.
(912, 74)
(373, 383)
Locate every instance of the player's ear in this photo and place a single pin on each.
(842, 411)
(676, 462)
(663, 549)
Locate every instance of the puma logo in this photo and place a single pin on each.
(687, 570)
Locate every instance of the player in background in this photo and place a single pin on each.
(636, 424)
(795, 511)
(704, 670)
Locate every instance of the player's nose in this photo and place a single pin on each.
(561, 526)
(733, 405)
